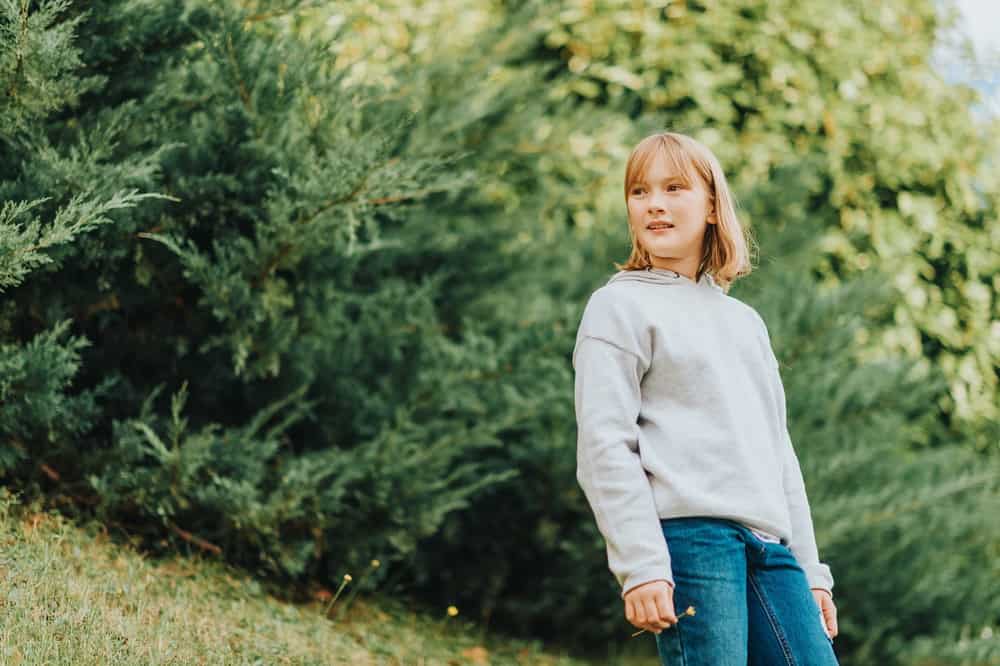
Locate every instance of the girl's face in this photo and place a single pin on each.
(662, 196)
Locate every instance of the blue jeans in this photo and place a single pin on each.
(751, 598)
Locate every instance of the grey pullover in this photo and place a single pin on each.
(680, 411)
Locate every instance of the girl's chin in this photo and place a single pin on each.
(667, 240)
(666, 250)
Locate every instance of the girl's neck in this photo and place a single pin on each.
(689, 272)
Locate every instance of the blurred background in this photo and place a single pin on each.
(296, 284)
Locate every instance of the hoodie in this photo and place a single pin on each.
(680, 411)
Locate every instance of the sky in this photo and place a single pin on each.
(980, 21)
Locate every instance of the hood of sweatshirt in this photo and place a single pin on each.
(666, 277)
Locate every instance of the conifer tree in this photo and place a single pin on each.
(282, 377)
(47, 212)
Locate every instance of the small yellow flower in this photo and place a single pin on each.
(347, 577)
(452, 611)
(376, 564)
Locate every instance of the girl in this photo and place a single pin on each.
(683, 451)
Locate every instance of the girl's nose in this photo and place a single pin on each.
(656, 201)
(656, 204)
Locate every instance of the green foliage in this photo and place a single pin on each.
(294, 281)
(23, 244)
(38, 415)
(38, 62)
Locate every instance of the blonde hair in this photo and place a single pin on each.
(727, 243)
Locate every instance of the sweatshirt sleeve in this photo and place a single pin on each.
(803, 539)
(609, 365)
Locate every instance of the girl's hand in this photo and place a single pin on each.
(651, 606)
(828, 611)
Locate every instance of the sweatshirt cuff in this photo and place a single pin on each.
(818, 575)
(645, 576)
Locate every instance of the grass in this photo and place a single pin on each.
(71, 595)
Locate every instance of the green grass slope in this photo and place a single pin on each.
(71, 595)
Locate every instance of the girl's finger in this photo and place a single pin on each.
(652, 616)
(662, 607)
(830, 617)
(639, 614)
